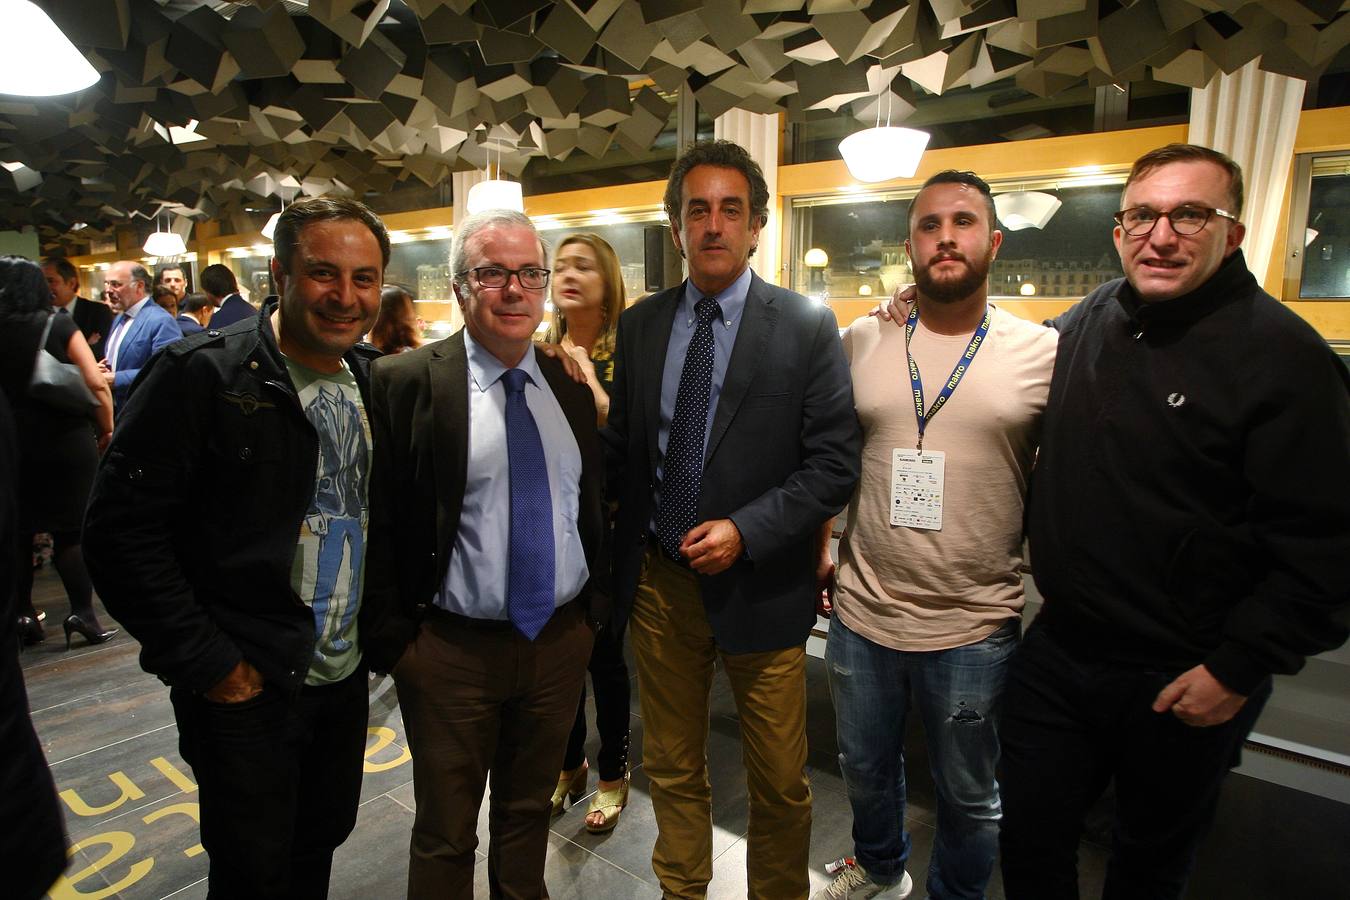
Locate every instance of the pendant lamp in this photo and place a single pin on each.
(165, 243)
(495, 193)
(1025, 209)
(36, 59)
(884, 151)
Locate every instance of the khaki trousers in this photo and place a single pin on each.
(480, 700)
(675, 651)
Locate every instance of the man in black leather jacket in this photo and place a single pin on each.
(256, 638)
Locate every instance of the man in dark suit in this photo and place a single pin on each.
(174, 277)
(93, 319)
(733, 428)
(219, 285)
(139, 331)
(486, 527)
(194, 313)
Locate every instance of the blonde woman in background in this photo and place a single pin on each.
(588, 296)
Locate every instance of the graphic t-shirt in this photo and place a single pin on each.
(330, 552)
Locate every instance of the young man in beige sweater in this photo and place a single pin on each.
(928, 595)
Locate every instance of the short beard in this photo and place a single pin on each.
(952, 291)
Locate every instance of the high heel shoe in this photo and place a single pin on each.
(30, 631)
(571, 785)
(609, 804)
(90, 630)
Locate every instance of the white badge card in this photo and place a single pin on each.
(916, 488)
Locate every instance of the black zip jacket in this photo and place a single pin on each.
(194, 516)
(1191, 501)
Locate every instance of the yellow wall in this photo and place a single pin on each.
(1319, 131)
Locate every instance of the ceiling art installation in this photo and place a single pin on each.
(204, 106)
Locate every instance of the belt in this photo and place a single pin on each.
(444, 616)
(655, 542)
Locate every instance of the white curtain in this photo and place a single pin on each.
(1253, 117)
(758, 133)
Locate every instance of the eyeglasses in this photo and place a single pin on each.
(1139, 220)
(531, 278)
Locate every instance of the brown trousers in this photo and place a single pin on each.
(675, 651)
(477, 700)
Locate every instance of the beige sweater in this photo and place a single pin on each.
(911, 589)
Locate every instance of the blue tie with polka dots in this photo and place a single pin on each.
(530, 564)
(682, 467)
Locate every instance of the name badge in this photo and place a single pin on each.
(916, 488)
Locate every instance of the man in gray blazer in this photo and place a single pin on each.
(732, 438)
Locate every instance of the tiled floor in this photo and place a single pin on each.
(130, 807)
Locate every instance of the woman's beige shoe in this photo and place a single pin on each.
(571, 784)
(609, 804)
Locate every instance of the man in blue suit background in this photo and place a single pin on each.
(139, 330)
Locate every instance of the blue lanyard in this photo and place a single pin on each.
(958, 372)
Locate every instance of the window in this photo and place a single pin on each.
(861, 242)
(1317, 265)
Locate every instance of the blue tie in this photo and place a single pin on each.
(682, 467)
(529, 574)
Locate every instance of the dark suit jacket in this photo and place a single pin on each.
(782, 458)
(232, 309)
(419, 416)
(94, 321)
(188, 325)
(149, 332)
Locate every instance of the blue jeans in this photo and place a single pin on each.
(956, 693)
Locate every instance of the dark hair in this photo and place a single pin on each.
(396, 323)
(954, 176)
(172, 267)
(138, 273)
(1174, 153)
(320, 209)
(165, 297)
(193, 302)
(218, 280)
(726, 155)
(64, 267)
(23, 287)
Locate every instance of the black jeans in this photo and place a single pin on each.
(1071, 723)
(280, 781)
(609, 676)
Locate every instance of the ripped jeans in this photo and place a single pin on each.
(956, 693)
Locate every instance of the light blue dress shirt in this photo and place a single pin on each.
(732, 301)
(475, 580)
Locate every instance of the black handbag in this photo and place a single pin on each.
(57, 384)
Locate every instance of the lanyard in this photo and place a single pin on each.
(958, 372)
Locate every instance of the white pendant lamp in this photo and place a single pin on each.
(495, 193)
(36, 59)
(1025, 209)
(165, 243)
(885, 151)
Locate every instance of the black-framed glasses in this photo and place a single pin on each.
(531, 278)
(1139, 220)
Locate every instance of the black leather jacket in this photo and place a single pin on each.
(193, 521)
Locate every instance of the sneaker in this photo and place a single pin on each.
(852, 884)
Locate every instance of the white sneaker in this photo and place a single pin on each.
(852, 884)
